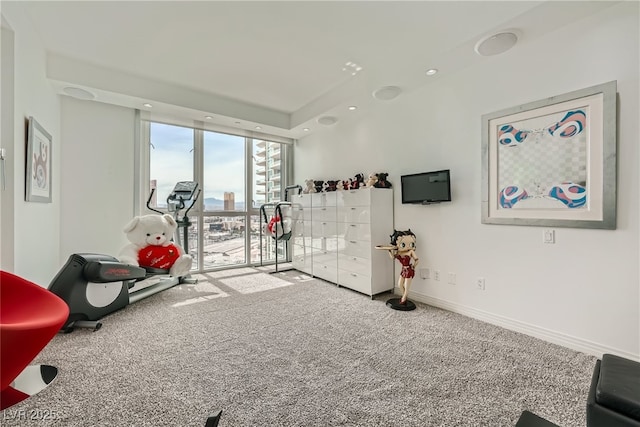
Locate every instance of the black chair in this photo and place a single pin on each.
(614, 396)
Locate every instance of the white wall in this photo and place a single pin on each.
(583, 291)
(97, 176)
(93, 155)
(7, 190)
(36, 225)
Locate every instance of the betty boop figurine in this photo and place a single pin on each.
(403, 249)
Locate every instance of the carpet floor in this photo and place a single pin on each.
(286, 349)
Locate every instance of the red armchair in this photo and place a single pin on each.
(30, 316)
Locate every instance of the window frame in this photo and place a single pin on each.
(142, 159)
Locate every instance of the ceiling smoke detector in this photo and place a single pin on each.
(327, 120)
(496, 43)
(387, 93)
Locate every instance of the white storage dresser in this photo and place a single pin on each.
(301, 233)
(345, 228)
(324, 236)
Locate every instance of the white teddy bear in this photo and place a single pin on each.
(151, 245)
(371, 182)
(309, 186)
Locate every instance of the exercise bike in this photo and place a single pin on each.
(95, 285)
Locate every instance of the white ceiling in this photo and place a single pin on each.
(273, 64)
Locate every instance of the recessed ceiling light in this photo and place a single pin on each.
(208, 117)
(306, 129)
(147, 105)
(79, 93)
(387, 93)
(258, 127)
(495, 44)
(431, 71)
(352, 107)
(327, 120)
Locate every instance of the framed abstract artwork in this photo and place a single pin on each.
(552, 162)
(38, 170)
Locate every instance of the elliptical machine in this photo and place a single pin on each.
(88, 283)
(182, 193)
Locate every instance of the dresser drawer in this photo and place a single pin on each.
(359, 214)
(301, 200)
(326, 272)
(354, 264)
(300, 213)
(301, 240)
(360, 197)
(357, 248)
(301, 227)
(325, 243)
(354, 231)
(321, 200)
(324, 228)
(299, 250)
(324, 214)
(300, 260)
(326, 258)
(355, 281)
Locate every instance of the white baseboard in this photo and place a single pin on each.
(574, 343)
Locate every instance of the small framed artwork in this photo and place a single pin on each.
(552, 162)
(38, 170)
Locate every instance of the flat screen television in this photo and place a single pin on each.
(426, 187)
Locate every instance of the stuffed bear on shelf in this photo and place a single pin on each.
(330, 185)
(382, 181)
(357, 182)
(151, 246)
(371, 181)
(309, 186)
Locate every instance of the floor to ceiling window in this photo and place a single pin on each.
(236, 174)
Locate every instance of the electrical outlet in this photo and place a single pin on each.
(480, 283)
(548, 236)
(452, 278)
(425, 273)
(436, 274)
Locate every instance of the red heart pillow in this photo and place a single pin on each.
(158, 256)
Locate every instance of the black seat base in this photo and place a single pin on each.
(613, 396)
(529, 419)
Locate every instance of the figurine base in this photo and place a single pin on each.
(396, 305)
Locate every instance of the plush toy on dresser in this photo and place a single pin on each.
(371, 181)
(151, 246)
(381, 181)
(309, 186)
(330, 185)
(357, 182)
